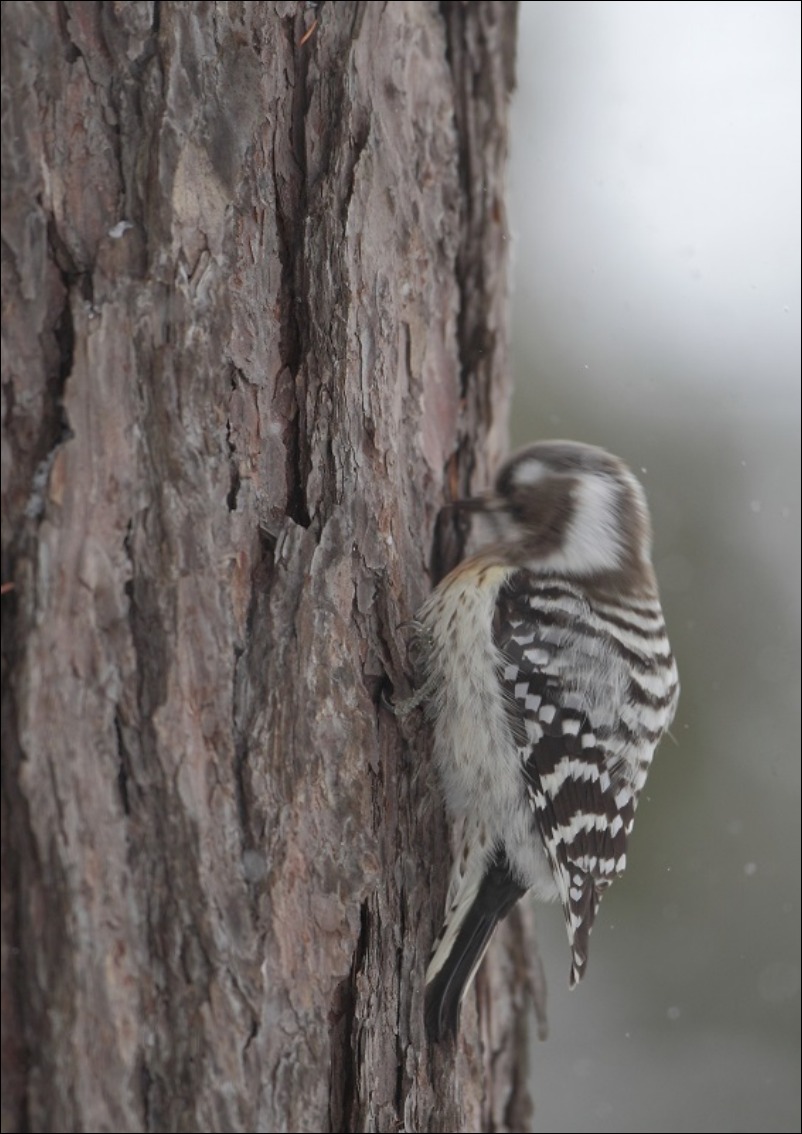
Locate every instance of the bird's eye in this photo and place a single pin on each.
(515, 508)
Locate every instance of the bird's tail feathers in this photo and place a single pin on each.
(487, 894)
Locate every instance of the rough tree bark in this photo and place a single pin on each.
(254, 275)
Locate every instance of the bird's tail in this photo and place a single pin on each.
(485, 897)
(580, 910)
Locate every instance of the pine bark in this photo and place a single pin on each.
(254, 336)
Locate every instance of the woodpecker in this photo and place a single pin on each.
(549, 679)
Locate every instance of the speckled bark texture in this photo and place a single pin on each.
(254, 336)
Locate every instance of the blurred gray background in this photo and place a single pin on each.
(655, 216)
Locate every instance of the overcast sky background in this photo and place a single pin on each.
(655, 213)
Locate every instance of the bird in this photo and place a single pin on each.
(548, 677)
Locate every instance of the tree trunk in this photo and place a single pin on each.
(254, 330)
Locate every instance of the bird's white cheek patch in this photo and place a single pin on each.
(592, 542)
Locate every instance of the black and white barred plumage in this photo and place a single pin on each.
(550, 681)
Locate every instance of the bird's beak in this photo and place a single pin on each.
(485, 502)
